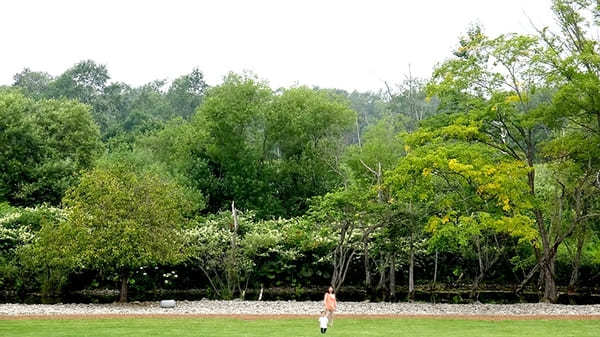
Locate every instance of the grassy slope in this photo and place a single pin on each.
(149, 327)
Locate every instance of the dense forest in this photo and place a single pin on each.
(484, 176)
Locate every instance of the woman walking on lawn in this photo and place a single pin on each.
(330, 304)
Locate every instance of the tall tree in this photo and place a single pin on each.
(186, 93)
(571, 61)
(270, 152)
(125, 220)
(43, 147)
(496, 82)
(306, 132)
(85, 81)
(33, 83)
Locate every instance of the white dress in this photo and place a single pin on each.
(323, 322)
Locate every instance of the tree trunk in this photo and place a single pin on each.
(576, 264)
(547, 259)
(393, 276)
(124, 288)
(381, 267)
(342, 256)
(480, 274)
(435, 268)
(233, 275)
(475, 288)
(367, 267)
(527, 278)
(411, 268)
(550, 290)
(580, 210)
(379, 188)
(358, 132)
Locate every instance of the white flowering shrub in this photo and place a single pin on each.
(261, 252)
(20, 257)
(19, 225)
(32, 217)
(11, 238)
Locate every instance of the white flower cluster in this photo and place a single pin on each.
(169, 275)
(8, 218)
(55, 212)
(17, 236)
(207, 233)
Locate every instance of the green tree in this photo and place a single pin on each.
(269, 153)
(186, 93)
(366, 163)
(85, 81)
(33, 83)
(573, 66)
(176, 151)
(341, 213)
(472, 199)
(125, 220)
(306, 132)
(496, 85)
(233, 119)
(571, 56)
(44, 145)
(409, 103)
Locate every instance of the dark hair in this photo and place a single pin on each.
(332, 289)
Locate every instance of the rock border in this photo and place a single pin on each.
(282, 309)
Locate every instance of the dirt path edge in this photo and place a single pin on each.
(293, 316)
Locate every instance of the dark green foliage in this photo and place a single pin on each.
(118, 109)
(44, 145)
(269, 153)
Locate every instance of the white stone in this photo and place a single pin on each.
(167, 304)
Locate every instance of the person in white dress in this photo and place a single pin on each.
(323, 321)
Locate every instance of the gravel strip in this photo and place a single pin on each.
(299, 308)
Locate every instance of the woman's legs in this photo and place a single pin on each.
(330, 317)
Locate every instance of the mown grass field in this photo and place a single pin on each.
(347, 327)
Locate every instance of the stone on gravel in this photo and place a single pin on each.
(167, 304)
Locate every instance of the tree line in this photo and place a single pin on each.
(486, 173)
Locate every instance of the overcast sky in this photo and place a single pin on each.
(330, 43)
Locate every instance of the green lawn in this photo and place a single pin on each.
(347, 327)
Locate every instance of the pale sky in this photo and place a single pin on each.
(330, 43)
